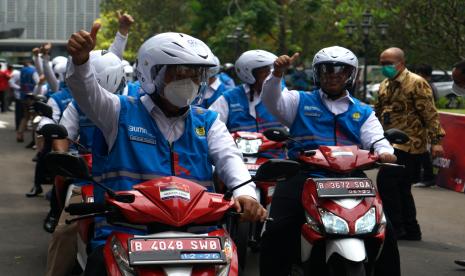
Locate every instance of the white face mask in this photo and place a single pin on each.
(459, 91)
(181, 93)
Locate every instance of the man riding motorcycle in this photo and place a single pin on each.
(159, 133)
(241, 108)
(328, 116)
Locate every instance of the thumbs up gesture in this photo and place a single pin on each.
(81, 43)
(282, 63)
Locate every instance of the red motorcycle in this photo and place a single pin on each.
(343, 210)
(256, 150)
(183, 222)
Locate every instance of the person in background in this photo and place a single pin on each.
(299, 78)
(226, 76)
(27, 81)
(426, 177)
(215, 88)
(14, 83)
(241, 108)
(5, 76)
(405, 101)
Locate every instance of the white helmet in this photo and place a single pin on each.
(251, 60)
(128, 69)
(108, 70)
(59, 59)
(335, 55)
(60, 68)
(169, 49)
(212, 71)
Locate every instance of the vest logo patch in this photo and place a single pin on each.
(311, 108)
(174, 190)
(312, 111)
(236, 107)
(141, 134)
(356, 116)
(200, 131)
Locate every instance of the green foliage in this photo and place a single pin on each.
(430, 31)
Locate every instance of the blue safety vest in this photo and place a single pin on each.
(141, 152)
(239, 118)
(86, 128)
(227, 80)
(62, 98)
(26, 80)
(218, 93)
(315, 125)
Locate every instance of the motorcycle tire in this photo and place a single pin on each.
(339, 266)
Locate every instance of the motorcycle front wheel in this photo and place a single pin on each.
(339, 266)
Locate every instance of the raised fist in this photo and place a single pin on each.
(125, 21)
(282, 63)
(81, 43)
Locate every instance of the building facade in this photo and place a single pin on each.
(30, 23)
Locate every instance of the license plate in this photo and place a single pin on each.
(143, 251)
(352, 187)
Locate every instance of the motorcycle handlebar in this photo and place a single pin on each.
(392, 165)
(77, 209)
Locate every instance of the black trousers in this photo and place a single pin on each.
(19, 113)
(280, 246)
(96, 263)
(427, 164)
(395, 188)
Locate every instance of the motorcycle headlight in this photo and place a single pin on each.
(223, 270)
(382, 224)
(334, 224)
(366, 223)
(248, 146)
(121, 257)
(312, 223)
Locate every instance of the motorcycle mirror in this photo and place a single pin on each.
(53, 131)
(277, 134)
(43, 109)
(396, 136)
(125, 198)
(277, 170)
(36, 119)
(271, 170)
(67, 165)
(40, 98)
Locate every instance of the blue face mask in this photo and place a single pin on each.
(389, 71)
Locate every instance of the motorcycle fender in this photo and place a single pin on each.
(69, 193)
(350, 249)
(305, 249)
(82, 252)
(177, 270)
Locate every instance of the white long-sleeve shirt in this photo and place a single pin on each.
(70, 119)
(284, 106)
(221, 105)
(14, 83)
(103, 109)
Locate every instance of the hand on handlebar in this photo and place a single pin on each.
(251, 209)
(387, 158)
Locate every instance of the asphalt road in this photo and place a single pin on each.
(23, 242)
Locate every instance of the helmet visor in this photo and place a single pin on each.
(327, 68)
(198, 74)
